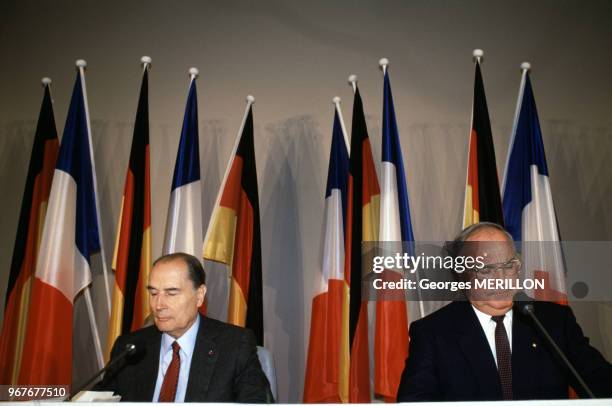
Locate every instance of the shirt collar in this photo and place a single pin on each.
(486, 318)
(186, 341)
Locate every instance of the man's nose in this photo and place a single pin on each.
(159, 302)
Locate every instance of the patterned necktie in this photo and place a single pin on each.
(504, 360)
(168, 389)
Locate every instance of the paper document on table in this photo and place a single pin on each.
(93, 396)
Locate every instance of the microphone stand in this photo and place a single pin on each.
(129, 349)
(529, 310)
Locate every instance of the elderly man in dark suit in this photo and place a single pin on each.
(185, 356)
(485, 349)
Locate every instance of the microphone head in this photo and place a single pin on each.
(134, 348)
(527, 308)
(524, 302)
(131, 348)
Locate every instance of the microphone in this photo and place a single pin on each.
(526, 306)
(130, 349)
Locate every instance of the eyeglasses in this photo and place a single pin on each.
(513, 263)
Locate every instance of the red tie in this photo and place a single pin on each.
(168, 389)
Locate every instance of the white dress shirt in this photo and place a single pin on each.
(187, 344)
(488, 326)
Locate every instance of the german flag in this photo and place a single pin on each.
(132, 255)
(234, 238)
(29, 232)
(482, 197)
(363, 213)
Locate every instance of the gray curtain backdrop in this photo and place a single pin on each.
(294, 56)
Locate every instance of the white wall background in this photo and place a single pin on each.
(294, 56)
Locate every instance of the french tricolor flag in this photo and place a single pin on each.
(328, 351)
(529, 211)
(184, 221)
(391, 334)
(70, 237)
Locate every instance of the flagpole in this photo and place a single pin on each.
(46, 82)
(525, 68)
(249, 100)
(352, 79)
(384, 64)
(81, 64)
(336, 102)
(193, 74)
(477, 56)
(146, 63)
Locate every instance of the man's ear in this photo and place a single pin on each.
(200, 293)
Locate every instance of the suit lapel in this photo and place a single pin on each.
(202, 362)
(149, 368)
(524, 347)
(475, 347)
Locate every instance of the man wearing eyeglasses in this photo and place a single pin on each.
(483, 348)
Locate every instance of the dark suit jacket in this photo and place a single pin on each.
(224, 366)
(450, 358)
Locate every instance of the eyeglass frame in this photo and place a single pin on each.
(488, 269)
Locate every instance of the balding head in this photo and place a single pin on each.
(484, 231)
(493, 243)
